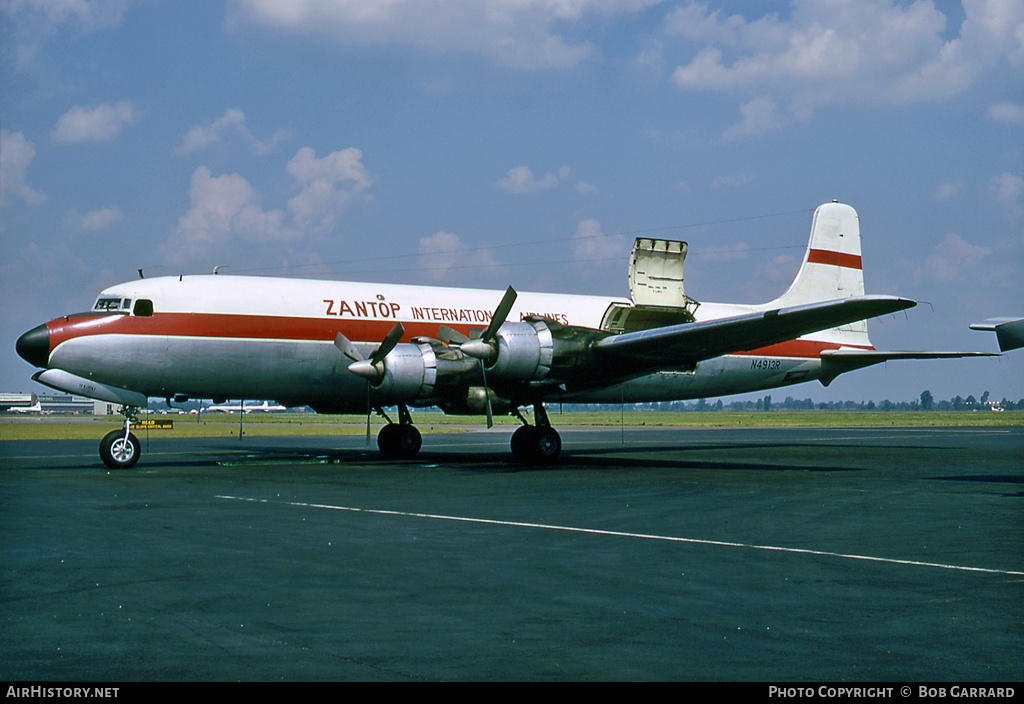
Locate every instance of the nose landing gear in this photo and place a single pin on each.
(120, 449)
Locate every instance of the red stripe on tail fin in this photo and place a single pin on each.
(823, 256)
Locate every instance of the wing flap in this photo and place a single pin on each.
(688, 343)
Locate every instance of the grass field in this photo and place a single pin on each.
(283, 424)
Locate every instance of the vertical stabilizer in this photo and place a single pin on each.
(831, 267)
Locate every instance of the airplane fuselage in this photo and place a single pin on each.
(253, 337)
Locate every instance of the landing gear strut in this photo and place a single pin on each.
(537, 444)
(401, 440)
(120, 449)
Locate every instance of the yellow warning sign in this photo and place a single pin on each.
(154, 424)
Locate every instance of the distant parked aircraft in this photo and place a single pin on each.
(265, 407)
(37, 407)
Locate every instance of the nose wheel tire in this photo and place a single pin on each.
(119, 451)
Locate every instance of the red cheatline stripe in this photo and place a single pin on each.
(234, 326)
(283, 328)
(824, 256)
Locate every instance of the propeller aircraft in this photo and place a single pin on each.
(342, 347)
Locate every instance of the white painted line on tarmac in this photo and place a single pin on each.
(625, 534)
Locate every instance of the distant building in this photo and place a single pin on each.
(9, 400)
(55, 403)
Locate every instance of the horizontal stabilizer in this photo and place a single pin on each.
(688, 343)
(836, 362)
(1009, 331)
(887, 355)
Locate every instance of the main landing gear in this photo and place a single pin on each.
(120, 449)
(401, 440)
(537, 444)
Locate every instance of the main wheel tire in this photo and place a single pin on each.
(522, 440)
(118, 451)
(399, 441)
(536, 445)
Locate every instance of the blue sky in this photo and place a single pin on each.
(522, 142)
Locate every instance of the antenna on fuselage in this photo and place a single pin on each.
(141, 275)
(216, 269)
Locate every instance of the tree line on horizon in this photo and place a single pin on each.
(925, 402)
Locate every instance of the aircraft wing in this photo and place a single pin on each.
(688, 343)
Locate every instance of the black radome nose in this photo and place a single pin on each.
(34, 346)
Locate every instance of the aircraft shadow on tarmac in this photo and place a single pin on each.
(665, 456)
(989, 479)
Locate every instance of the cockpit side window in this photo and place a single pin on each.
(143, 308)
(108, 304)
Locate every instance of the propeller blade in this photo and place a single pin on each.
(449, 335)
(369, 410)
(500, 313)
(346, 347)
(487, 396)
(387, 344)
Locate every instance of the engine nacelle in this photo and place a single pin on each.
(474, 403)
(411, 371)
(525, 351)
(407, 373)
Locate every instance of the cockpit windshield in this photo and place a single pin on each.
(113, 305)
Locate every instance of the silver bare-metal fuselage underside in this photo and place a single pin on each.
(295, 372)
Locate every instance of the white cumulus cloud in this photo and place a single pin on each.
(444, 257)
(224, 209)
(227, 210)
(843, 52)
(590, 245)
(231, 123)
(101, 219)
(954, 257)
(327, 186)
(518, 33)
(49, 15)
(520, 180)
(97, 124)
(16, 153)
(1008, 113)
(1009, 190)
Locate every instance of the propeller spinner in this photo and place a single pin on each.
(371, 369)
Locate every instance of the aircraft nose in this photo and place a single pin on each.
(34, 346)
